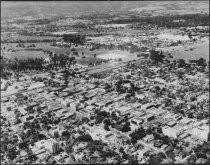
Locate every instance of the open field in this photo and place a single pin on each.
(25, 54)
(114, 55)
(101, 54)
(168, 36)
(201, 51)
(189, 52)
(86, 61)
(23, 37)
(8, 46)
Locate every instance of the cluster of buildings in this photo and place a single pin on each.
(45, 122)
(127, 113)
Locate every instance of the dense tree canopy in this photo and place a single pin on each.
(74, 38)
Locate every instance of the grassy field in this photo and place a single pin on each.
(201, 51)
(86, 61)
(25, 54)
(22, 37)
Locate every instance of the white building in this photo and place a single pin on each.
(50, 144)
(201, 132)
(171, 132)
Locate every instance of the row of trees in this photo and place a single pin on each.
(74, 38)
(124, 47)
(61, 60)
(168, 21)
(28, 41)
(17, 66)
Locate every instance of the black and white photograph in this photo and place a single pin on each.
(105, 82)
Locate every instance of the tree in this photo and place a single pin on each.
(65, 133)
(85, 119)
(180, 73)
(74, 38)
(159, 130)
(56, 134)
(165, 139)
(106, 127)
(85, 138)
(156, 56)
(132, 160)
(181, 63)
(161, 155)
(192, 158)
(106, 121)
(121, 150)
(154, 160)
(126, 127)
(17, 75)
(12, 154)
(22, 145)
(138, 134)
(201, 62)
(114, 116)
(99, 119)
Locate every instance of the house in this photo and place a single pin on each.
(158, 143)
(137, 121)
(186, 121)
(164, 146)
(148, 117)
(100, 104)
(124, 110)
(139, 96)
(149, 138)
(184, 135)
(171, 123)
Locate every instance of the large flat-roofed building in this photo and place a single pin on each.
(149, 117)
(171, 132)
(186, 120)
(50, 144)
(201, 132)
(124, 110)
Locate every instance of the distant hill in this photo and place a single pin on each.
(36, 9)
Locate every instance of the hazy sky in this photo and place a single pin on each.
(9, 8)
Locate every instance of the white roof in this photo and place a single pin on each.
(200, 133)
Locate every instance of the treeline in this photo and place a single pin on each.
(28, 41)
(124, 47)
(168, 21)
(39, 64)
(33, 22)
(74, 38)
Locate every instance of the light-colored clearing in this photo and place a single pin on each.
(112, 56)
(173, 37)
